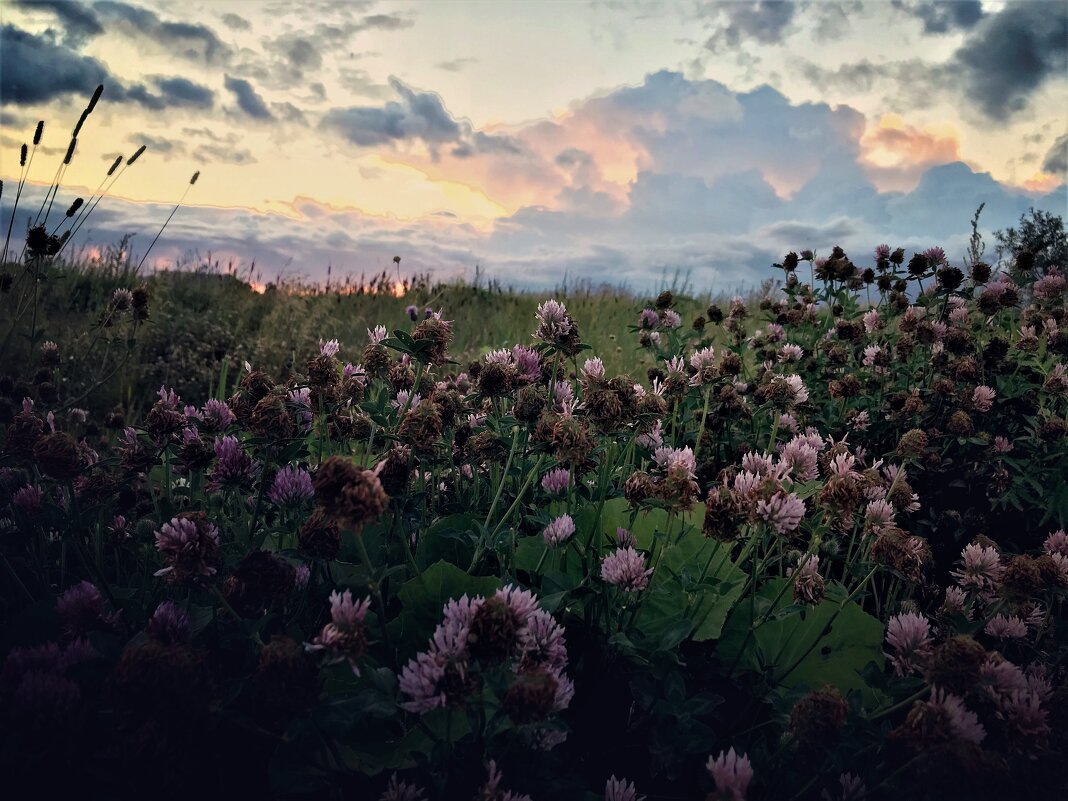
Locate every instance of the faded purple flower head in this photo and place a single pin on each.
(621, 790)
(27, 499)
(936, 256)
(1002, 445)
(1006, 627)
(346, 614)
(377, 334)
(963, 723)
(782, 511)
(624, 539)
(882, 252)
(398, 790)
(292, 485)
(527, 362)
(1056, 543)
(169, 624)
(981, 569)
(81, 608)
(559, 530)
(556, 481)
(909, 634)
(732, 773)
(625, 568)
(412, 312)
(669, 318)
(300, 580)
(808, 583)
(593, 369)
(676, 461)
(648, 319)
(329, 348)
(983, 398)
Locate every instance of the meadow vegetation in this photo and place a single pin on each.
(468, 543)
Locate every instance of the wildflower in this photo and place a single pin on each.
(555, 327)
(624, 538)
(1003, 627)
(329, 348)
(621, 790)
(648, 319)
(57, 456)
(782, 511)
(983, 398)
(790, 353)
(1056, 543)
(559, 530)
(189, 544)
(437, 336)
(292, 485)
(412, 312)
(669, 318)
(122, 299)
(344, 638)
(400, 790)
(871, 354)
(527, 363)
(853, 789)
(233, 467)
(319, 536)
(349, 494)
(216, 416)
(81, 608)
(377, 334)
(169, 624)
(593, 369)
(1002, 445)
(817, 718)
(556, 481)
(808, 583)
(800, 459)
(732, 774)
(909, 634)
(956, 601)
(625, 568)
(943, 718)
(955, 664)
(981, 569)
(28, 500)
(652, 439)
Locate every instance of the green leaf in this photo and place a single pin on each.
(826, 644)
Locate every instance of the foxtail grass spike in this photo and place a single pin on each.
(37, 133)
(88, 110)
(70, 150)
(170, 216)
(136, 155)
(118, 161)
(77, 204)
(22, 155)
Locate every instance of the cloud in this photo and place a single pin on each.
(1012, 55)
(236, 22)
(298, 55)
(456, 64)
(79, 22)
(35, 70)
(1056, 161)
(222, 154)
(194, 42)
(764, 21)
(943, 17)
(158, 145)
(417, 116)
(247, 99)
(170, 92)
(895, 154)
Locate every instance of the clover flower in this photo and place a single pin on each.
(556, 481)
(621, 790)
(983, 398)
(344, 638)
(233, 467)
(732, 774)
(981, 569)
(189, 545)
(808, 583)
(292, 485)
(648, 319)
(782, 511)
(909, 634)
(625, 568)
(169, 624)
(1006, 627)
(559, 530)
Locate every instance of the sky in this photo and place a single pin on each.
(607, 141)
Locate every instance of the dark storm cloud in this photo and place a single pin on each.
(763, 21)
(191, 41)
(1012, 55)
(247, 99)
(1056, 161)
(33, 69)
(236, 22)
(943, 17)
(79, 22)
